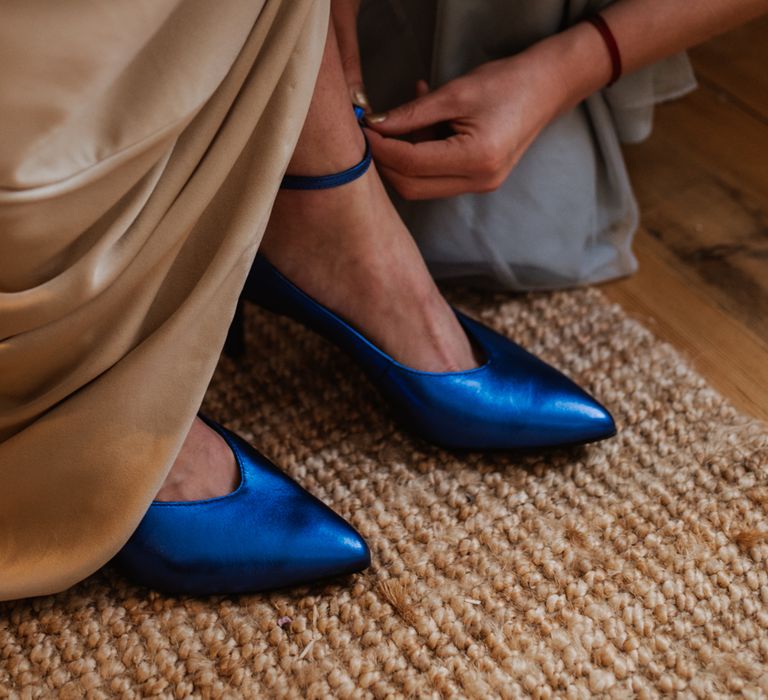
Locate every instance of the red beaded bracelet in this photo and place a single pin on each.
(601, 25)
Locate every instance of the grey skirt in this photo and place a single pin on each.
(566, 215)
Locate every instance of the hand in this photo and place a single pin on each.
(495, 112)
(344, 18)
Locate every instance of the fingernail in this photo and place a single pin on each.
(360, 98)
(376, 118)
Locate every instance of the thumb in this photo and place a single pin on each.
(429, 133)
(426, 110)
(422, 88)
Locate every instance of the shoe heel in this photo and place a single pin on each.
(267, 287)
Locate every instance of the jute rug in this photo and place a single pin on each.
(631, 568)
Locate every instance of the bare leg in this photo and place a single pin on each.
(348, 248)
(205, 467)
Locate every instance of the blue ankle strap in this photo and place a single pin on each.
(324, 182)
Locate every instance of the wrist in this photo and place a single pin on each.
(579, 61)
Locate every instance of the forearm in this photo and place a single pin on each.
(499, 108)
(645, 30)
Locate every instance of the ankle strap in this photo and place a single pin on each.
(324, 182)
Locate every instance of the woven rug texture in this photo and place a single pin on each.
(635, 567)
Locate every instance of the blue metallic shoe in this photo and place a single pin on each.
(512, 401)
(268, 533)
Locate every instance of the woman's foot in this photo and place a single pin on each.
(348, 248)
(270, 533)
(204, 468)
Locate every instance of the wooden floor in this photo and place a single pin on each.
(702, 184)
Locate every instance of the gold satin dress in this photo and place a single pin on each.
(141, 147)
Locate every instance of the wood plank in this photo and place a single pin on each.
(718, 235)
(665, 299)
(702, 185)
(737, 65)
(710, 134)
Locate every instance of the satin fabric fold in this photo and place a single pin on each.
(141, 148)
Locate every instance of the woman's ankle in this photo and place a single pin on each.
(204, 468)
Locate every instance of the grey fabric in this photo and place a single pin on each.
(566, 214)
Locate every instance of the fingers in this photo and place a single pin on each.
(434, 169)
(428, 109)
(344, 14)
(429, 133)
(447, 157)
